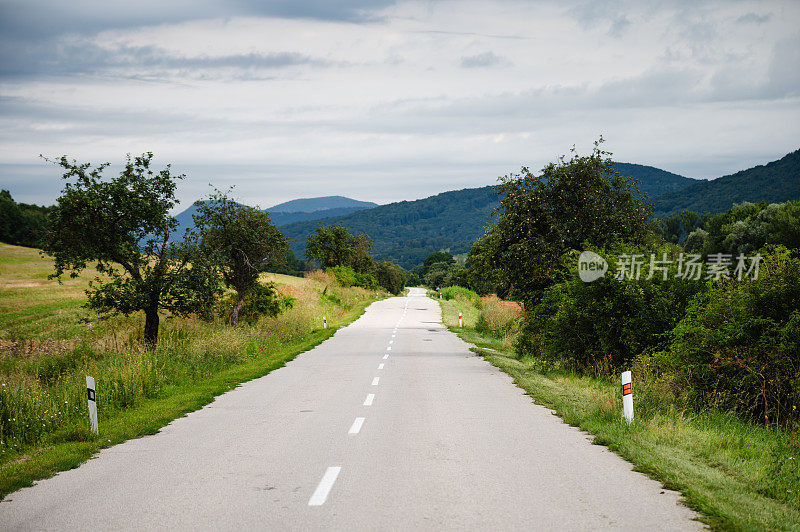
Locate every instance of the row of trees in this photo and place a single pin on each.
(20, 223)
(717, 341)
(121, 227)
(348, 257)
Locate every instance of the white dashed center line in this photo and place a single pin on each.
(380, 366)
(385, 357)
(375, 381)
(324, 488)
(356, 425)
(389, 348)
(369, 399)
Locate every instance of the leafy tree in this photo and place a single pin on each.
(290, 265)
(123, 226)
(575, 202)
(437, 256)
(747, 227)
(391, 276)
(237, 239)
(335, 246)
(21, 224)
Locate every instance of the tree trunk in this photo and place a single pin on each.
(234, 319)
(151, 328)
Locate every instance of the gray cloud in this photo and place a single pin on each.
(754, 18)
(485, 59)
(84, 57)
(39, 37)
(619, 26)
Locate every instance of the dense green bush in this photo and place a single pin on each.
(603, 325)
(262, 300)
(347, 277)
(454, 292)
(390, 276)
(738, 348)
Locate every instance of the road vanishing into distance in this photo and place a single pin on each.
(390, 424)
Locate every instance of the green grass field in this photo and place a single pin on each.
(49, 343)
(738, 475)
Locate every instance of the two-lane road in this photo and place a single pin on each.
(391, 424)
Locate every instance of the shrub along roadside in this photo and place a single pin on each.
(739, 475)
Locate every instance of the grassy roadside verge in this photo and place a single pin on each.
(739, 476)
(151, 415)
(49, 343)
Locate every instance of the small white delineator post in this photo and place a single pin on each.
(627, 396)
(91, 397)
(324, 322)
(460, 320)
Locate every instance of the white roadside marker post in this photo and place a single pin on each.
(91, 396)
(460, 320)
(627, 396)
(324, 322)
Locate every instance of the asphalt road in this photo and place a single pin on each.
(390, 424)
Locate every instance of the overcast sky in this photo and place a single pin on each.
(385, 101)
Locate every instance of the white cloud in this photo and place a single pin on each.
(376, 103)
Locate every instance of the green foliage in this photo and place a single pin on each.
(335, 246)
(348, 257)
(391, 276)
(347, 277)
(747, 227)
(123, 226)
(236, 239)
(738, 348)
(290, 265)
(441, 269)
(458, 292)
(261, 300)
(20, 223)
(437, 257)
(602, 326)
(675, 229)
(576, 202)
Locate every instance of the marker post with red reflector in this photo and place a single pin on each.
(627, 396)
(460, 320)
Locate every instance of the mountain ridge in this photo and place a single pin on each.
(775, 181)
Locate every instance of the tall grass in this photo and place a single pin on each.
(42, 381)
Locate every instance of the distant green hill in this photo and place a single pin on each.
(654, 181)
(321, 204)
(293, 211)
(773, 182)
(408, 231)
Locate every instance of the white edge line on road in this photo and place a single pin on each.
(324, 488)
(375, 381)
(369, 399)
(380, 366)
(385, 357)
(356, 426)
